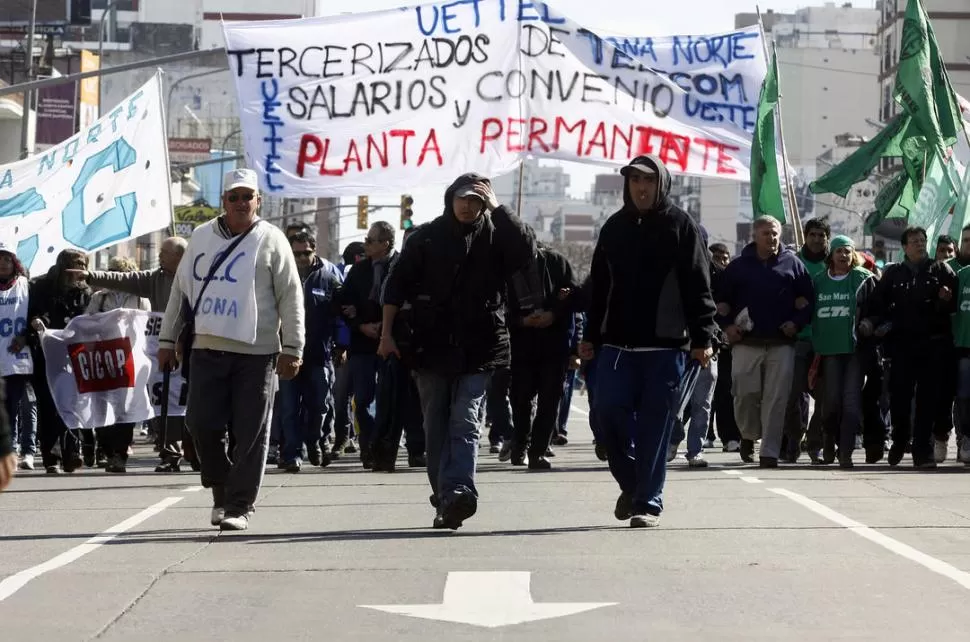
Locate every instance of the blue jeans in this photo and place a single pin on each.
(498, 407)
(21, 407)
(635, 397)
(363, 376)
(305, 401)
(451, 406)
(567, 401)
(700, 412)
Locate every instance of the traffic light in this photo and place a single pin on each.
(406, 212)
(362, 213)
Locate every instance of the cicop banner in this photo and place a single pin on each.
(103, 369)
(108, 183)
(379, 101)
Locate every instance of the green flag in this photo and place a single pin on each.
(961, 212)
(895, 200)
(766, 195)
(922, 86)
(936, 197)
(856, 167)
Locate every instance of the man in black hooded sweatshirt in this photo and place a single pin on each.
(454, 272)
(651, 303)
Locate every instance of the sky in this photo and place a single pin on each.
(621, 17)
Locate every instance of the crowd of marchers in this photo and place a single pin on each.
(473, 331)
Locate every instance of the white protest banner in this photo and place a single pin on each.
(374, 102)
(102, 370)
(107, 183)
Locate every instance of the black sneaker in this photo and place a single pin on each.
(338, 449)
(116, 465)
(624, 507)
(601, 452)
(828, 452)
(461, 507)
(539, 463)
(315, 457)
(768, 462)
(435, 502)
(519, 459)
(325, 459)
(874, 455)
(294, 466)
(168, 467)
(896, 453)
(417, 461)
(559, 440)
(747, 451)
(550, 452)
(495, 448)
(70, 465)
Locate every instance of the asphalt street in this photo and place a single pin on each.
(741, 554)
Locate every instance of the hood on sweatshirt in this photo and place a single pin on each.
(663, 182)
(462, 181)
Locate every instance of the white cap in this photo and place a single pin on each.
(240, 178)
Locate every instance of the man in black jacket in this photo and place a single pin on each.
(651, 302)
(540, 355)
(360, 301)
(911, 306)
(454, 271)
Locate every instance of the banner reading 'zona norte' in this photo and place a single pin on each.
(395, 99)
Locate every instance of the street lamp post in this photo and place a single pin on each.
(104, 14)
(28, 95)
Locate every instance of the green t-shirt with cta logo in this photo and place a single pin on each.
(834, 319)
(961, 320)
(814, 268)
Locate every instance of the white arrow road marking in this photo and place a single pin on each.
(489, 599)
(894, 546)
(14, 583)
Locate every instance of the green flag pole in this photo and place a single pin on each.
(792, 201)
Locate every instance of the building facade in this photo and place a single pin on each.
(828, 62)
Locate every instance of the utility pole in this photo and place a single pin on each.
(28, 95)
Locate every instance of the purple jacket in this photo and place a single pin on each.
(768, 289)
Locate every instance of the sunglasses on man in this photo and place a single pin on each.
(232, 198)
(303, 254)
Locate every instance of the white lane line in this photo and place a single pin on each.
(192, 489)
(14, 583)
(732, 472)
(579, 410)
(894, 546)
(751, 480)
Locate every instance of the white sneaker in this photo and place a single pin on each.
(733, 446)
(697, 461)
(939, 451)
(964, 454)
(27, 463)
(644, 521)
(858, 442)
(708, 443)
(671, 452)
(218, 514)
(236, 523)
